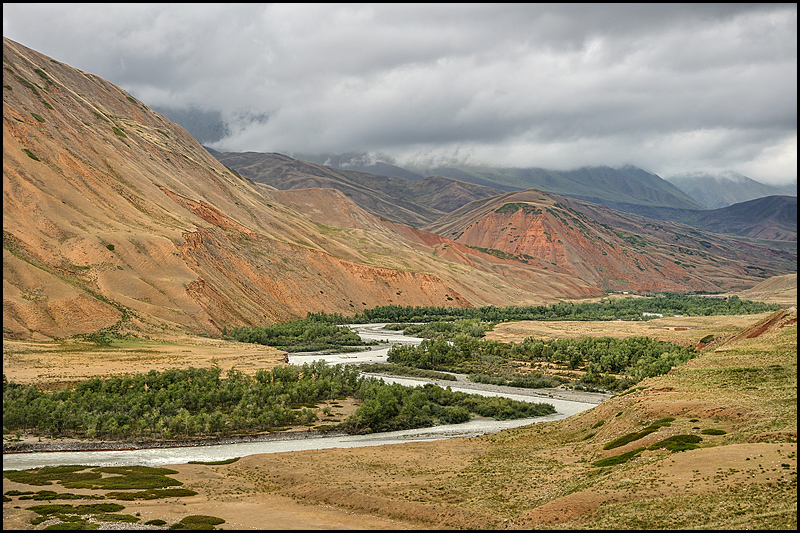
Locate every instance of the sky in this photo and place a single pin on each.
(670, 88)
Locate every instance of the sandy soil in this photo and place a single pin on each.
(680, 330)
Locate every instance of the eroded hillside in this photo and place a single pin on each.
(111, 212)
(114, 215)
(609, 249)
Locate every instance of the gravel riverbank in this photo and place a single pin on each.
(32, 444)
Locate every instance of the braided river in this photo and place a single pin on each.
(566, 403)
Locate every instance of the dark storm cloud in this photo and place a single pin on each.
(667, 87)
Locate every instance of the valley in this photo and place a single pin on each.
(743, 387)
(128, 248)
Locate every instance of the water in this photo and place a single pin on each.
(308, 441)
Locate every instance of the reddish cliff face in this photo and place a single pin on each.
(550, 237)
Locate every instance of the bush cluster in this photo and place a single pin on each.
(181, 403)
(309, 334)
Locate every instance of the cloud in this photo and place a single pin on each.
(667, 87)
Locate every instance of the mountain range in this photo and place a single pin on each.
(627, 187)
(117, 218)
(703, 190)
(721, 190)
(422, 200)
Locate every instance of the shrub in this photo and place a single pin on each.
(150, 494)
(198, 521)
(678, 443)
(712, 431)
(30, 154)
(619, 459)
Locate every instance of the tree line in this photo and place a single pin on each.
(313, 333)
(322, 331)
(615, 364)
(627, 308)
(181, 403)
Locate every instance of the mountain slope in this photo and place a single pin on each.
(769, 218)
(113, 213)
(722, 190)
(610, 249)
(627, 188)
(115, 217)
(412, 202)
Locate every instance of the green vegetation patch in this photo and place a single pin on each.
(631, 437)
(398, 370)
(712, 431)
(75, 477)
(112, 517)
(65, 508)
(313, 333)
(29, 85)
(395, 407)
(500, 254)
(150, 494)
(47, 474)
(513, 207)
(222, 462)
(71, 517)
(678, 443)
(198, 521)
(628, 308)
(38, 117)
(619, 459)
(30, 154)
(118, 131)
(53, 495)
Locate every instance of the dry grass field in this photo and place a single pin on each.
(743, 385)
(52, 363)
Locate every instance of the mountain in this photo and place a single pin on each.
(721, 190)
(627, 188)
(769, 218)
(115, 218)
(614, 250)
(415, 202)
(361, 162)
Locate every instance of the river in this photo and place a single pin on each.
(567, 403)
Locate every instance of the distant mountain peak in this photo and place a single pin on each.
(721, 189)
